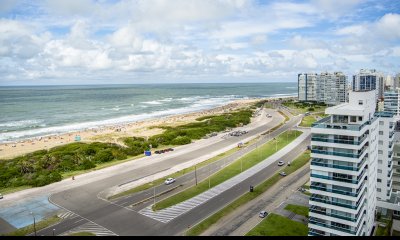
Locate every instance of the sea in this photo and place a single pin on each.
(29, 112)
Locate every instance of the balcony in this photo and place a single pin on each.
(341, 141)
(390, 155)
(322, 224)
(345, 180)
(351, 219)
(322, 163)
(339, 204)
(340, 154)
(325, 123)
(319, 187)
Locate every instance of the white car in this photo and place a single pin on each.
(283, 174)
(1, 196)
(169, 181)
(281, 163)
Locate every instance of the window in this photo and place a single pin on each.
(360, 102)
(381, 123)
(380, 132)
(379, 180)
(379, 190)
(380, 152)
(380, 162)
(380, 142)
(353, 119)
(360, 119)
(379, 170)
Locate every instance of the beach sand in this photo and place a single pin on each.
(112, 134)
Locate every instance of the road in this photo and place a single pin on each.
(122, 220)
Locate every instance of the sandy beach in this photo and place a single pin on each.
(112, 134)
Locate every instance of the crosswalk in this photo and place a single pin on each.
(90, 227)
(65, 215)
(168, 214)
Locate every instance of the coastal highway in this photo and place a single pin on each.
(84, 201)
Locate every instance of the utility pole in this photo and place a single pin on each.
(34, 222)
(154, 194)
(195, 173)
(209, 176)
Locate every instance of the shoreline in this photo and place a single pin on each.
(112, 133)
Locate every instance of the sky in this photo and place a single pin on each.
(62, 42)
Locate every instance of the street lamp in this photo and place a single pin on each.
(154, 195)
(53, 231)
(34, 222)
(195, 173)
(209, 176)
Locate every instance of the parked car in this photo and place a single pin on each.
(157, 152)
(281, 163)
(283, 174)
(263, 214)
(1, 196)
(170, 149)
(169, 181)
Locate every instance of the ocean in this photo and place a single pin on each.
(27, 112)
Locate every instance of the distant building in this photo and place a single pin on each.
(367, 80)
(328, 88)
(308, 87)
(396, 82)
(392, 102)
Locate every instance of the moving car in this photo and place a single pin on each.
(283, 174)
(281, 163)
(263, 214)
(169, 181)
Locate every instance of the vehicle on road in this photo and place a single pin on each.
(1, 196)
(263, 214)
(281, 163)
(307, 114)
(169, 181)
(283, 174)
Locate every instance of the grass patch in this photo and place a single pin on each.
(82, 234)
(39, 226)
(299, 210)
(284, 115)
(276, 225)
(307, 121)
(258, 190)
(9, 190)
(245, 162)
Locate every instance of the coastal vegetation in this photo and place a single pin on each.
(43, 167)
(198, 229)
(247, 161)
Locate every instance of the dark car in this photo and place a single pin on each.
(171, 149)
(157, 152)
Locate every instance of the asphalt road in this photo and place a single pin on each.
(125, 221)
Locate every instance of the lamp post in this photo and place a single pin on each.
(195, 173)
(53, 231)
(154, 195)
(34, 222)
(209, 176)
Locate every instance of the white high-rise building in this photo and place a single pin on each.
(367, 80)
(308, 87)
(344, 168)
(392, 102)
(385, 155)
(326, 88)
